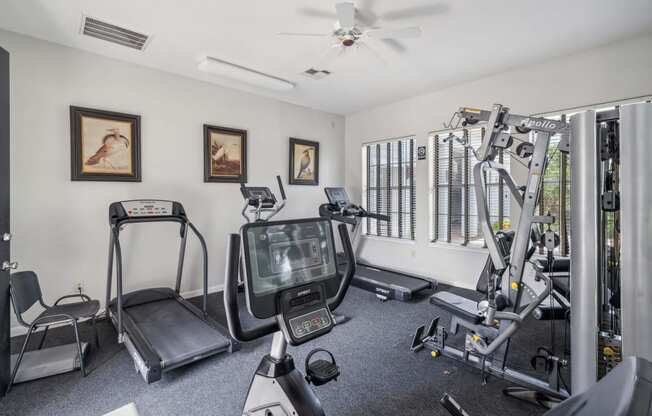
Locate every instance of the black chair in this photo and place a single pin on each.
(25, 292)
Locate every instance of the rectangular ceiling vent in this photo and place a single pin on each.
(316, 73)
(111, 33)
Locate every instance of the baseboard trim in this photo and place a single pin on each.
(20, 330)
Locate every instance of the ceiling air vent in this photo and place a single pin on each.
(111, 33)
(316, 73)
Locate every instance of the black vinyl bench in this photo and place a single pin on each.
(458, 306)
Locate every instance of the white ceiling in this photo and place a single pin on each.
(462, 39)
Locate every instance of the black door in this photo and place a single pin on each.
(4, 221)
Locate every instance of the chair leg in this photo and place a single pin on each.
(97, 337)
(79, 348)
(20, 358)
(45, 332)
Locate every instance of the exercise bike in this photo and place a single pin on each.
(290, 273)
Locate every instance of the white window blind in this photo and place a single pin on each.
(455, 212)
(389, 187)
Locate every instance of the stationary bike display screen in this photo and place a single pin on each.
(281, 255)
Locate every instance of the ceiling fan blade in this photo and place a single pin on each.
(394, 45)
(303, 34)
(418, 11)
(405, 33)
(372, 52)
(333, 52)
(345, 14)
(364, 12)
(310, 12)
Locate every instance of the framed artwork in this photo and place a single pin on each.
(304, 162)
(225, 154)
(105, 146)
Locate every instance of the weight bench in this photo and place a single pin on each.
(466, 311)
(458, 306)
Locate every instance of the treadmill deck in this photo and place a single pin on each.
(175, 333)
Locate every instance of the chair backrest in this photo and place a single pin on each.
(25, 290)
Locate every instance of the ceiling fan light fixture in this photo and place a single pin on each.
(243, 74)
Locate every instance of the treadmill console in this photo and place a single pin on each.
(144, 210)
(337, 196)
(147, 208)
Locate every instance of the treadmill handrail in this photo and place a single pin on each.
(231, 289)
(349, 272)
(162, 218)
(116, 250)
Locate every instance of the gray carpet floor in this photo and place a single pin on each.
(380, 376)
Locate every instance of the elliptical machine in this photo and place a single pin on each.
(290, 273)
(260, 203)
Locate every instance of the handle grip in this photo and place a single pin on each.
(231, 297)
(280, 187)
(379, 217)
(347, 277)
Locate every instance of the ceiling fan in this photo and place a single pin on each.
(348, 32)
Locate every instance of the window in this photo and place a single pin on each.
(388, 187)
(454, 206)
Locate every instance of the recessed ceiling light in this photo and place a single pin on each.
(243, 74)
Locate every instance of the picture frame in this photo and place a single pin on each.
(105, 146)
(225, 154)
(304, 162)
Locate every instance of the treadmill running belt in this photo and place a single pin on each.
(393, 279)
(174, 332)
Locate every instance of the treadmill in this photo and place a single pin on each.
(160, 329)
(383, 282)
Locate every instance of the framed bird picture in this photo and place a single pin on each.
(304, 162)
(105, 146)
(225, 154)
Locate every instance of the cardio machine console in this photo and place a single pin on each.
(337, 196)
(257, 194)
(304, 313)
(147, 208)
(290, 273)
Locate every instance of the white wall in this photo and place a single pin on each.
(61, 227)
(604, 74)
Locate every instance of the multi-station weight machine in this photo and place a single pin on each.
(491, 324)
(611, 249)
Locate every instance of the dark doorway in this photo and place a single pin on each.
(4, 221)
